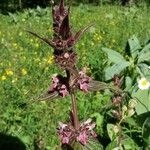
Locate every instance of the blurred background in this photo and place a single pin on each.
(13, 5)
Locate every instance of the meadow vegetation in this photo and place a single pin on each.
(27, 64)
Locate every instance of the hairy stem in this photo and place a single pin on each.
(74, 110)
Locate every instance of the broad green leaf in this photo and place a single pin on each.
(131, 121)
(143, 101)
(144, 70)
(126, 143)
(113, 56)
(93, 144)
(77, 146)
(128, 83)
(144, 55)
(110, 131)
(115, 69)
(146, 132)
(133, 46)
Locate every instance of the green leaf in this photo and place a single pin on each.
(93, 144)
(146, 132)
(143, 101)
(144, 70)
(126, 143)
(77, 146)
(99, 119)
(128, 83)
(131, 121)
(144, 55)
(110, 131)
(133, 46)
(113, 56)
(115, 69)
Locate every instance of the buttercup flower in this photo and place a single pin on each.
(3, 77)
(24, 71)
(9, 72)
(143, 84)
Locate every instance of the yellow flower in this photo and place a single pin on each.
(50, 60)
(113, 41)
(20, 33)
(3, 77)
(37, 45)
(31, 40)
(15, 45)
(14, 80)
(23, 20)
(24, 71)
(9, 72)
(92, 43)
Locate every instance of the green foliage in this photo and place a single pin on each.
(26, 65)
(143, 103)
(127, 143)
(146, 132)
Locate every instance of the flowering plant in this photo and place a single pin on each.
(65, 57)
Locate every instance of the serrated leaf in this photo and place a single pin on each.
(115, 69)
(143, 101)
(113, 56)
(133, 46)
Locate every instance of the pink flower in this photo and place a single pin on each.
(83, 137)
(55, 81)
(68, 134)
(63, 90)
(83, 81)
(83, 86)
(66, 55)
(58, 86)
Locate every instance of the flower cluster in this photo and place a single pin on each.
(83, 81)
(59, 85)
(68, 134)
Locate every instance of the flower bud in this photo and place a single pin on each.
(131, 112)
(116, 129)
(132, 103)
(124, 108)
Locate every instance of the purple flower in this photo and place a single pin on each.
(58, 85)
(82, 138)
(83, 81)
(63, 90)
(68, 134)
